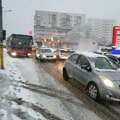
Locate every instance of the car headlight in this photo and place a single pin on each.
(13, 54)
(37, 55)
(54, 56)
(43, 56)
(29, 54)
(107, 82)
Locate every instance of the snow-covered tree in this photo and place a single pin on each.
(81, 38)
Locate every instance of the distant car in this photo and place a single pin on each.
(114, 58)
(64, 53)
(45, 53)
(96, 72)
(101, 53)
(43, 46)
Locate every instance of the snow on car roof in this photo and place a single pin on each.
(90, 54)
(43, 47)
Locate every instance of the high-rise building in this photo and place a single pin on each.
(102, 29)
(59, 22)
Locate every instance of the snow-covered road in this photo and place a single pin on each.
(28, 92)
(31, 93)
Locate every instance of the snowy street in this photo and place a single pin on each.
(30, 90)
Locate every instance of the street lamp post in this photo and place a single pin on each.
(1, 39)
(1, 25)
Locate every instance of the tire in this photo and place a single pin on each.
(27, 56)
(65, 74)
(40, 59)
(54, 61)
(93, 91)
(36, 57)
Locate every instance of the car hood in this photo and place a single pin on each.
(112, 75)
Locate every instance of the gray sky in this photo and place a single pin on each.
(21, 19)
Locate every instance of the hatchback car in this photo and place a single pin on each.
(45, 53)
(96, 72)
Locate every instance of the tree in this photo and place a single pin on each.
(81, 37)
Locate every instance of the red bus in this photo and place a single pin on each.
(19, 45)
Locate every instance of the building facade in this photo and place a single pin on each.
(57, 22)
(102, 29)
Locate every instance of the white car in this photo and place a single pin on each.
(63, 54)
(45, 53)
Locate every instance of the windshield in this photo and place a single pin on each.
(21, 43)
(102, 63)
(46, 51)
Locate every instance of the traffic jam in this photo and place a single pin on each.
(97, 71)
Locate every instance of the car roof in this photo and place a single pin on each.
(45, 48)
(89, 54)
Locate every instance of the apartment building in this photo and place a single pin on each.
(102, 29)
(59, 22)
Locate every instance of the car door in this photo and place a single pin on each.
(82, 70)
(71, 64)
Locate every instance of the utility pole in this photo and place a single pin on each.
(1, 39)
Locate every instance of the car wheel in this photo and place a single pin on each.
(54, 61)
(27, 56)
(36, 57)
(93, 91)
(40, 59)
(65, 75)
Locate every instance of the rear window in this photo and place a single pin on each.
(66, 51)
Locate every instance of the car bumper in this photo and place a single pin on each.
(48, 58)
(111, 94)
(63, 57)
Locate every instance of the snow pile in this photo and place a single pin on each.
(10, 68)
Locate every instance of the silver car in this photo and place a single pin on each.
(96, 72)
(45, 54)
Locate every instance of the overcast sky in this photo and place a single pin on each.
(21, 19)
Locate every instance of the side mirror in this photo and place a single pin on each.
(85, 67)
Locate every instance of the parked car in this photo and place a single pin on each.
(101, 53)
(45, 53)
(96, 72)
